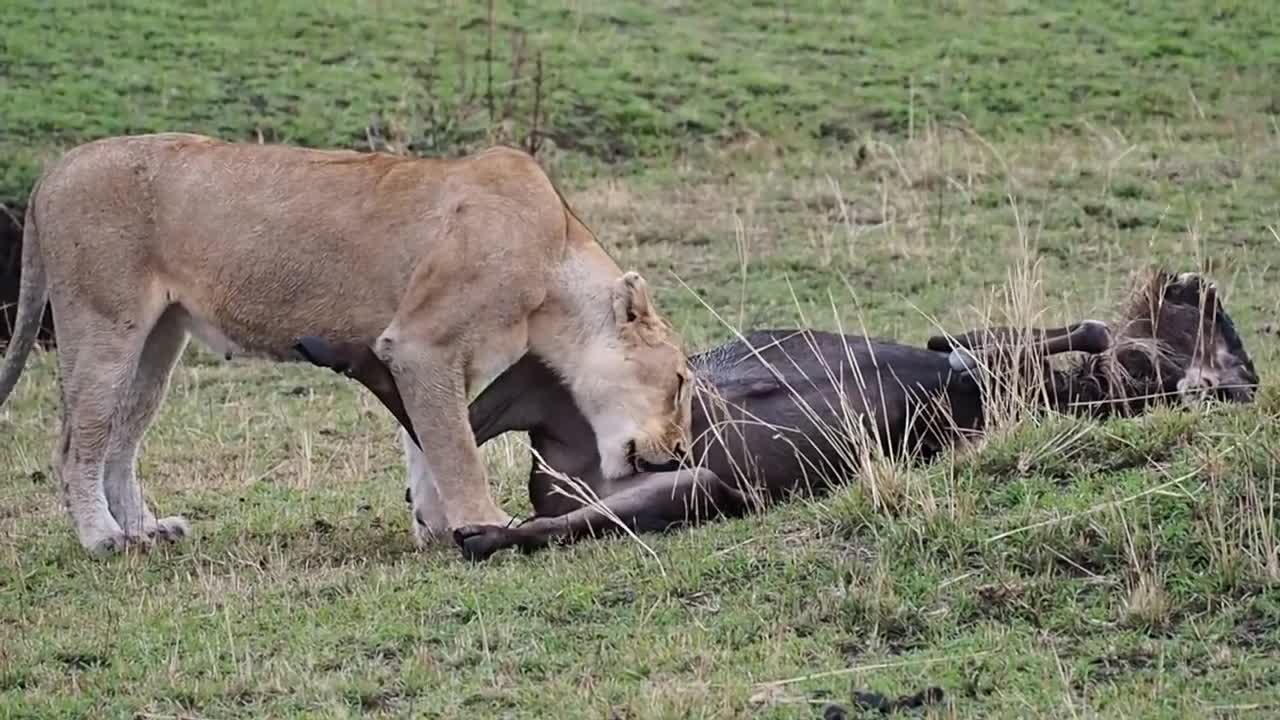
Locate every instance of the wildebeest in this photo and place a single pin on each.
(10, 275)
(780, 412)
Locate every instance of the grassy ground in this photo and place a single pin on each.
(882, 167)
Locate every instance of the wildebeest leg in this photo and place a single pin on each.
(998, 345)
(508, 403)
(1089, 336)
(649, 502)
(359, 363)
(994, 336)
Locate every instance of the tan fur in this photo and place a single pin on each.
(450, 269)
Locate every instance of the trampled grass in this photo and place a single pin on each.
(877, 167)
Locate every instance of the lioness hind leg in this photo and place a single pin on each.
(100, 378)
(160, 352)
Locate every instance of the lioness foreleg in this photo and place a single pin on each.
(450, 483)
(428, 519)
(360, 363)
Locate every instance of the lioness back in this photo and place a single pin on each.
(261, 244)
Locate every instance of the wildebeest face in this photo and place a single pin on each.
(1197, 349)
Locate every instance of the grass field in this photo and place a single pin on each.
(879, 166)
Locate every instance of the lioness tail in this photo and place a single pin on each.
(33, 293)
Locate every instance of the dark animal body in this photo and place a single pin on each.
(784, 412)
(10, 276)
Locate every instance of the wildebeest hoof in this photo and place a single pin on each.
(1187, 287)
(962, 360)
(1095, 336)
(478, 542)
(834, 712)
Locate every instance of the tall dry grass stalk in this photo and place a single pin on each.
(1240, 523)
(1148, 602)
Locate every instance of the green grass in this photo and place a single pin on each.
(622, 80)
(882, 167)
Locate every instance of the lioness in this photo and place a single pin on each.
(451, 269)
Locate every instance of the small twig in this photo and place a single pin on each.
(1062, 673)
(866, 668)
(484, 633)
(488, 63)
(517, 69)
(534, 142)
(1240, 707)
(731, 548)
(958, 578)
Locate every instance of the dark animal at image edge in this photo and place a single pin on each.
(11, 275)
(778, 412)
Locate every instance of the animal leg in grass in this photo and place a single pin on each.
(93, 393)
(361, 364)
(449, 477)
(138, 406)
(1089, 336)
(428, 519)
(648, 502)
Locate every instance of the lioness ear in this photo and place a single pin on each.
(631, 299)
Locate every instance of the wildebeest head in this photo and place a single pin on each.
(1173, 339)
(1176, 332)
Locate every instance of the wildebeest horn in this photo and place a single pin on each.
(361, 364)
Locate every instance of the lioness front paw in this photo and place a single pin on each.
(172, 529)
(429, 527)
(104, 542)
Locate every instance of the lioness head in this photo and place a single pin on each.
(636, 388)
